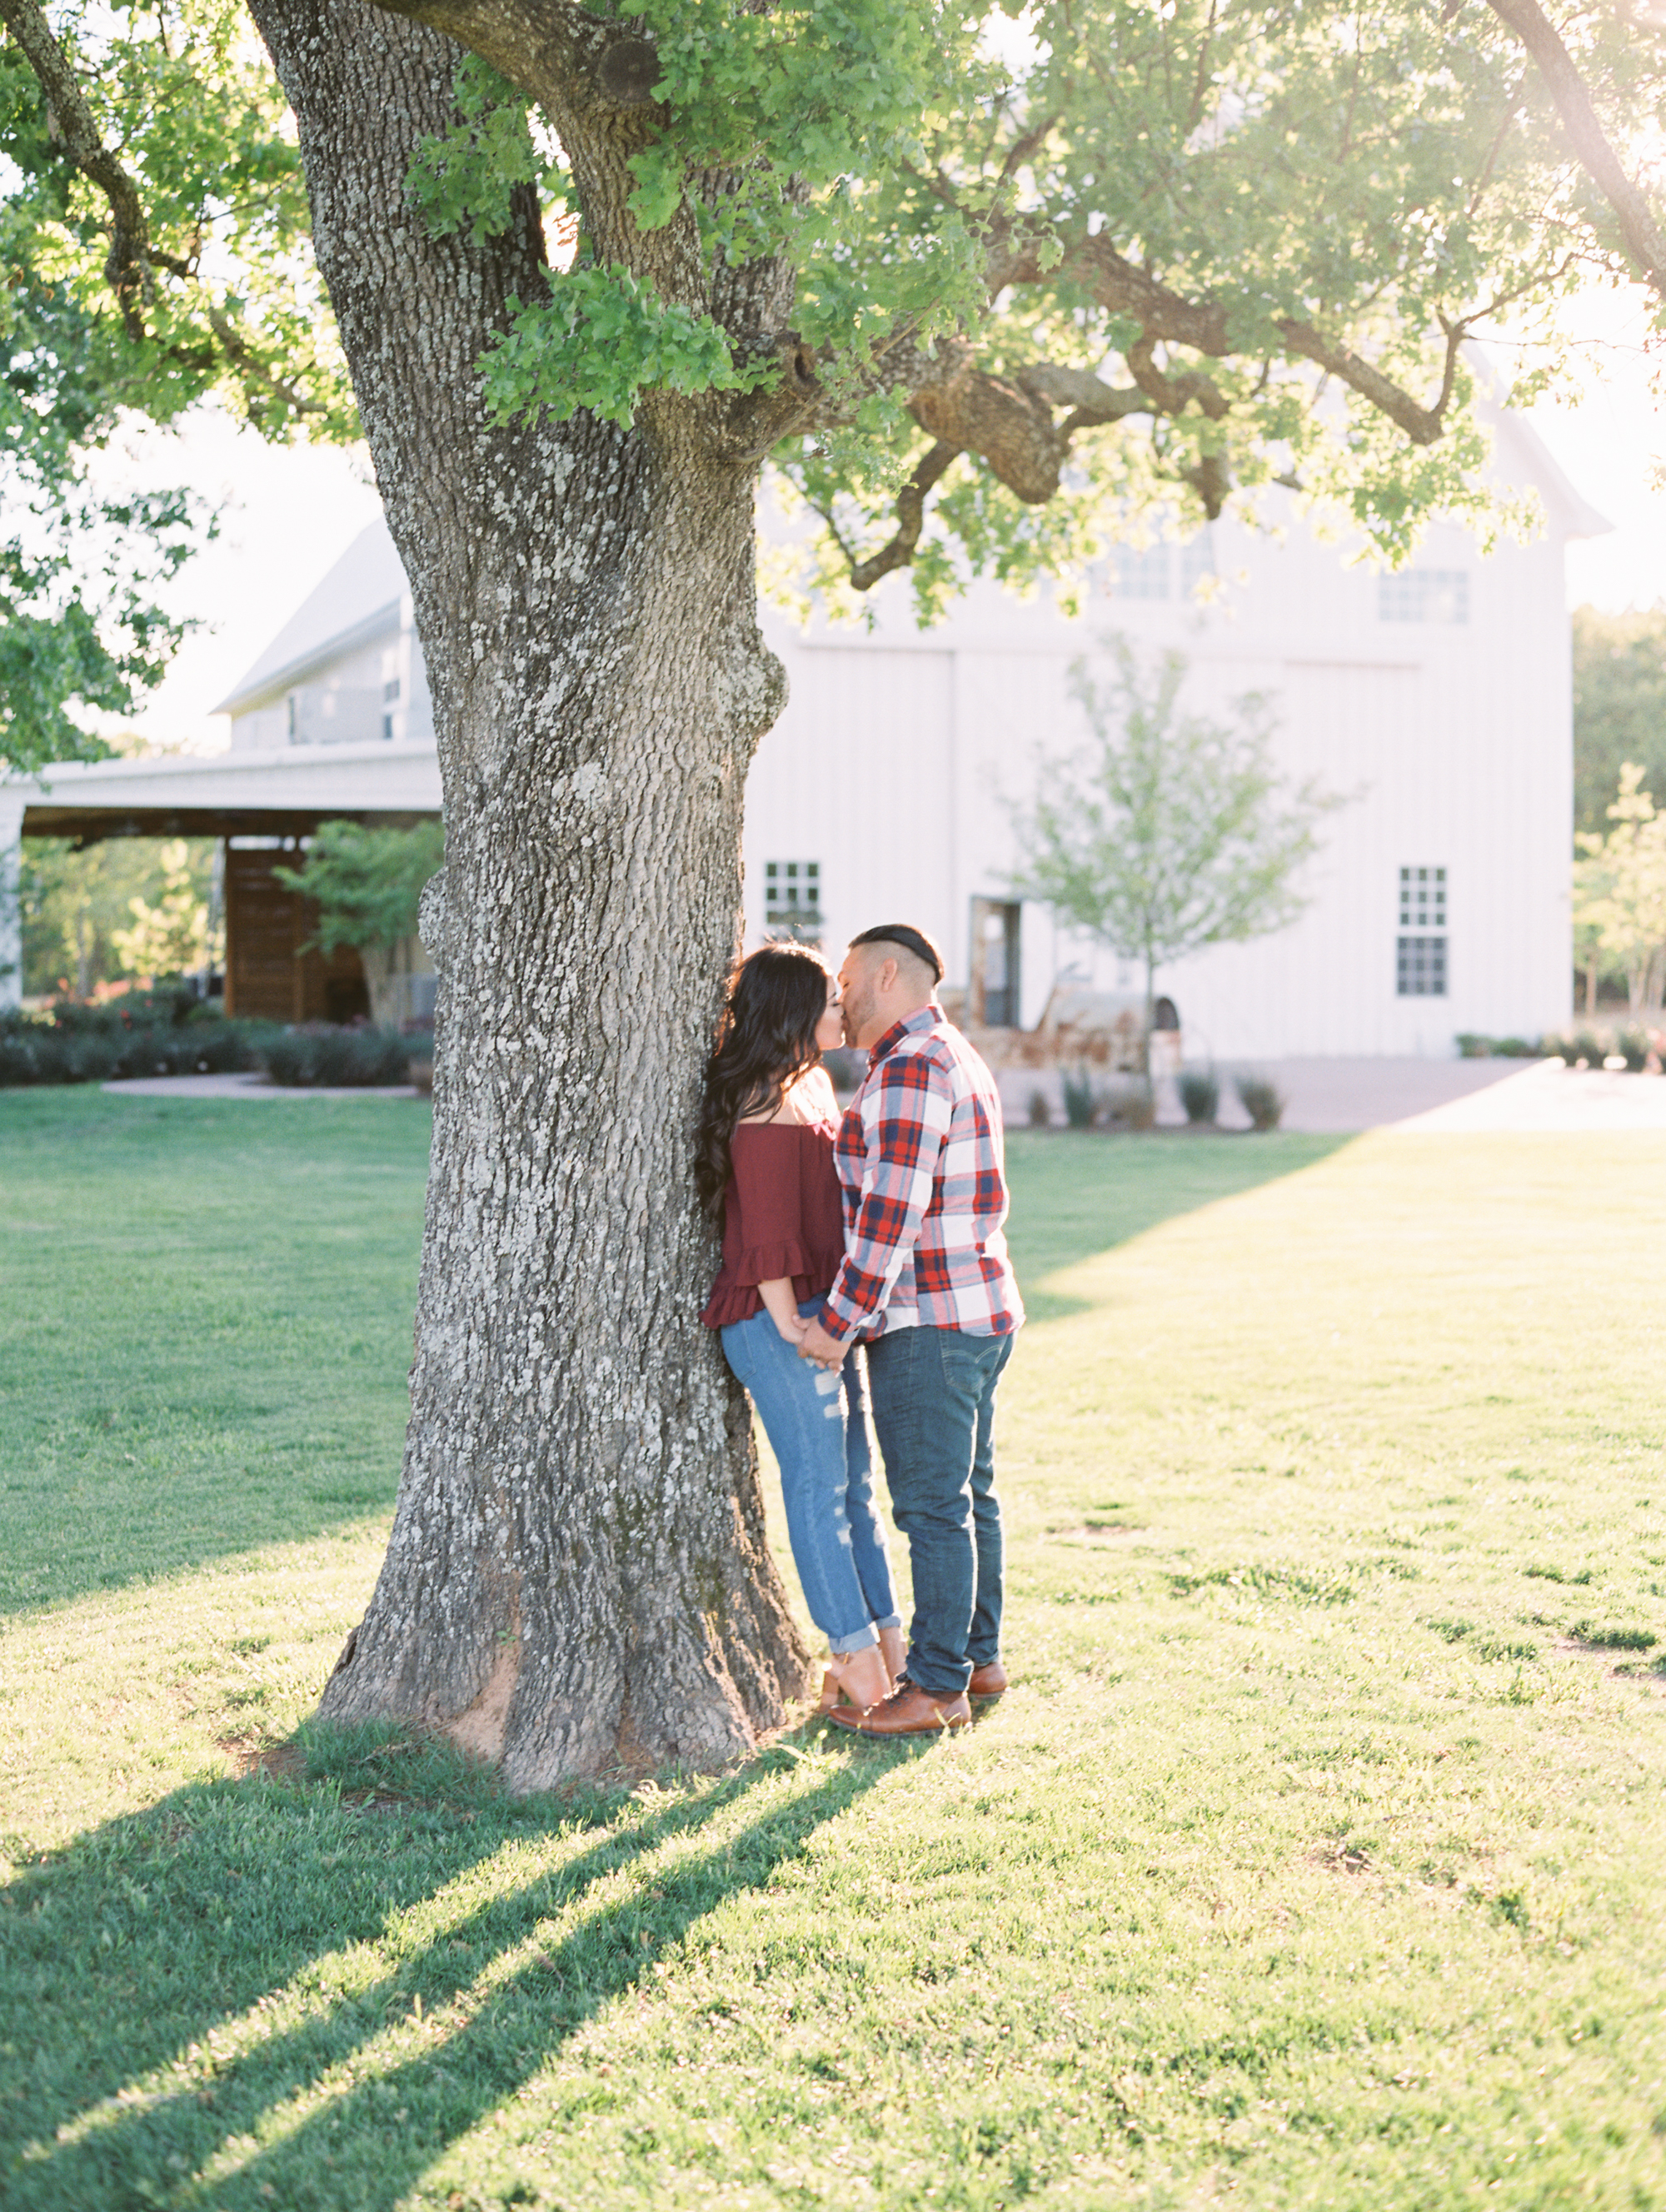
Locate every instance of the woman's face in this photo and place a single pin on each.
(829, 1031)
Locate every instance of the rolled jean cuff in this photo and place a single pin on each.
(889, 1621)
(843, 1646)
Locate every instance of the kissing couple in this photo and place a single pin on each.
(874, 1238)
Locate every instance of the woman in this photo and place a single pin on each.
(764, 1168)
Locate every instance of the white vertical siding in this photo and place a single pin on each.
(858, 774)
(895, 761)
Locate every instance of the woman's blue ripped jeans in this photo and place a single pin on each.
(817, 1425)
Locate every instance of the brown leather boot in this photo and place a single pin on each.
(908, 1710)
(988, 1681)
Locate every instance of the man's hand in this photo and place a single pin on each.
(826, 1351)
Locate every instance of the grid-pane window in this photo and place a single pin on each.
(1197, 560)
(1423, 898)
(1420, 967)
(793, 896)
(1138, 572)
(1420, 947)
(1423, 595)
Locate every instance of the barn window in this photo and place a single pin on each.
(793, 898)
(1138, 572)
(1197, 560)
(1420, 948)
(1423, 595)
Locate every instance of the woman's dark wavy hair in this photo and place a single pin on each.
(766, 1038)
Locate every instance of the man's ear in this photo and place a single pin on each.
(886, 978)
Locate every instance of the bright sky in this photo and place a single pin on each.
(295, 510)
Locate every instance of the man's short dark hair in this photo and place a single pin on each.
(911, 940)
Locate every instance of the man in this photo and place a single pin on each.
(926, 1282)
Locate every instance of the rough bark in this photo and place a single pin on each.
(578, 1577)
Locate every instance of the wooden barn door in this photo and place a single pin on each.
(268, 976)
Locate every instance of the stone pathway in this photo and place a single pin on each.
(245, 1085)
(1545, 1095)
(1343, 1095)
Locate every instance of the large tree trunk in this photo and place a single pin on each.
(578, 1576)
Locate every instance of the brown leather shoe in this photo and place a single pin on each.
(908, 1710)
(987, 1681)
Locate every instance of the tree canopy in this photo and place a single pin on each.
(1619, 892)
(366, 882)
(984, 288)
(153, 240)
(1619, 705)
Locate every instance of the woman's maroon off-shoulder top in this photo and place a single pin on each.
(782, 1215)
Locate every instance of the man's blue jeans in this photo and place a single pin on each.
(935, 1408)
(817, 1425)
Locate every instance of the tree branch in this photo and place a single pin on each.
(254, 371)
(1644, 241)
(1093, 401)
(1422, 425)
(1002, 423)
(1124, 289)
(128, 265)
(910, 521)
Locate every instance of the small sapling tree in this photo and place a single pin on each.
(1169, 832)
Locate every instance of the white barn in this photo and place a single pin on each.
(1438, 698)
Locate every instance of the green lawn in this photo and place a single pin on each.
(1317, 1858)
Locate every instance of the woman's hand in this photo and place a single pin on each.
(782, 1309)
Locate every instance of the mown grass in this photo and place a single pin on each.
(1315, 1860)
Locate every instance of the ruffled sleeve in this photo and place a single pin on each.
(782, 1218)
(769, 1201)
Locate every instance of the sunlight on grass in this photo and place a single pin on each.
(1313, 1860)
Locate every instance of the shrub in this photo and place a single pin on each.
(1263, 1102)
(320, 1056)
(1471, 1047)
(94, 1044)
(1080, 1106)
(1041, 1110)
(1634, 1045)
(1199, 1094)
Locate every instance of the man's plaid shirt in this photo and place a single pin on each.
(919, 1161)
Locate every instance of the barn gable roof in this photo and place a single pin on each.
(357, 601)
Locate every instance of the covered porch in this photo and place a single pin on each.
(262, 805)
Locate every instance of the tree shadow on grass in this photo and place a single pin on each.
(1078, 1194)
(163, 1937)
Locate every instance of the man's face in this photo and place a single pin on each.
(856, 993)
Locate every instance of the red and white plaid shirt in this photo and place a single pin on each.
(922, 1165)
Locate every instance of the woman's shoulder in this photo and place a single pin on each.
(812, 1098)
(810, 1104)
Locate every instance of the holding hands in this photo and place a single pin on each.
(815, 1343)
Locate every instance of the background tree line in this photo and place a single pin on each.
(1619, 774)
